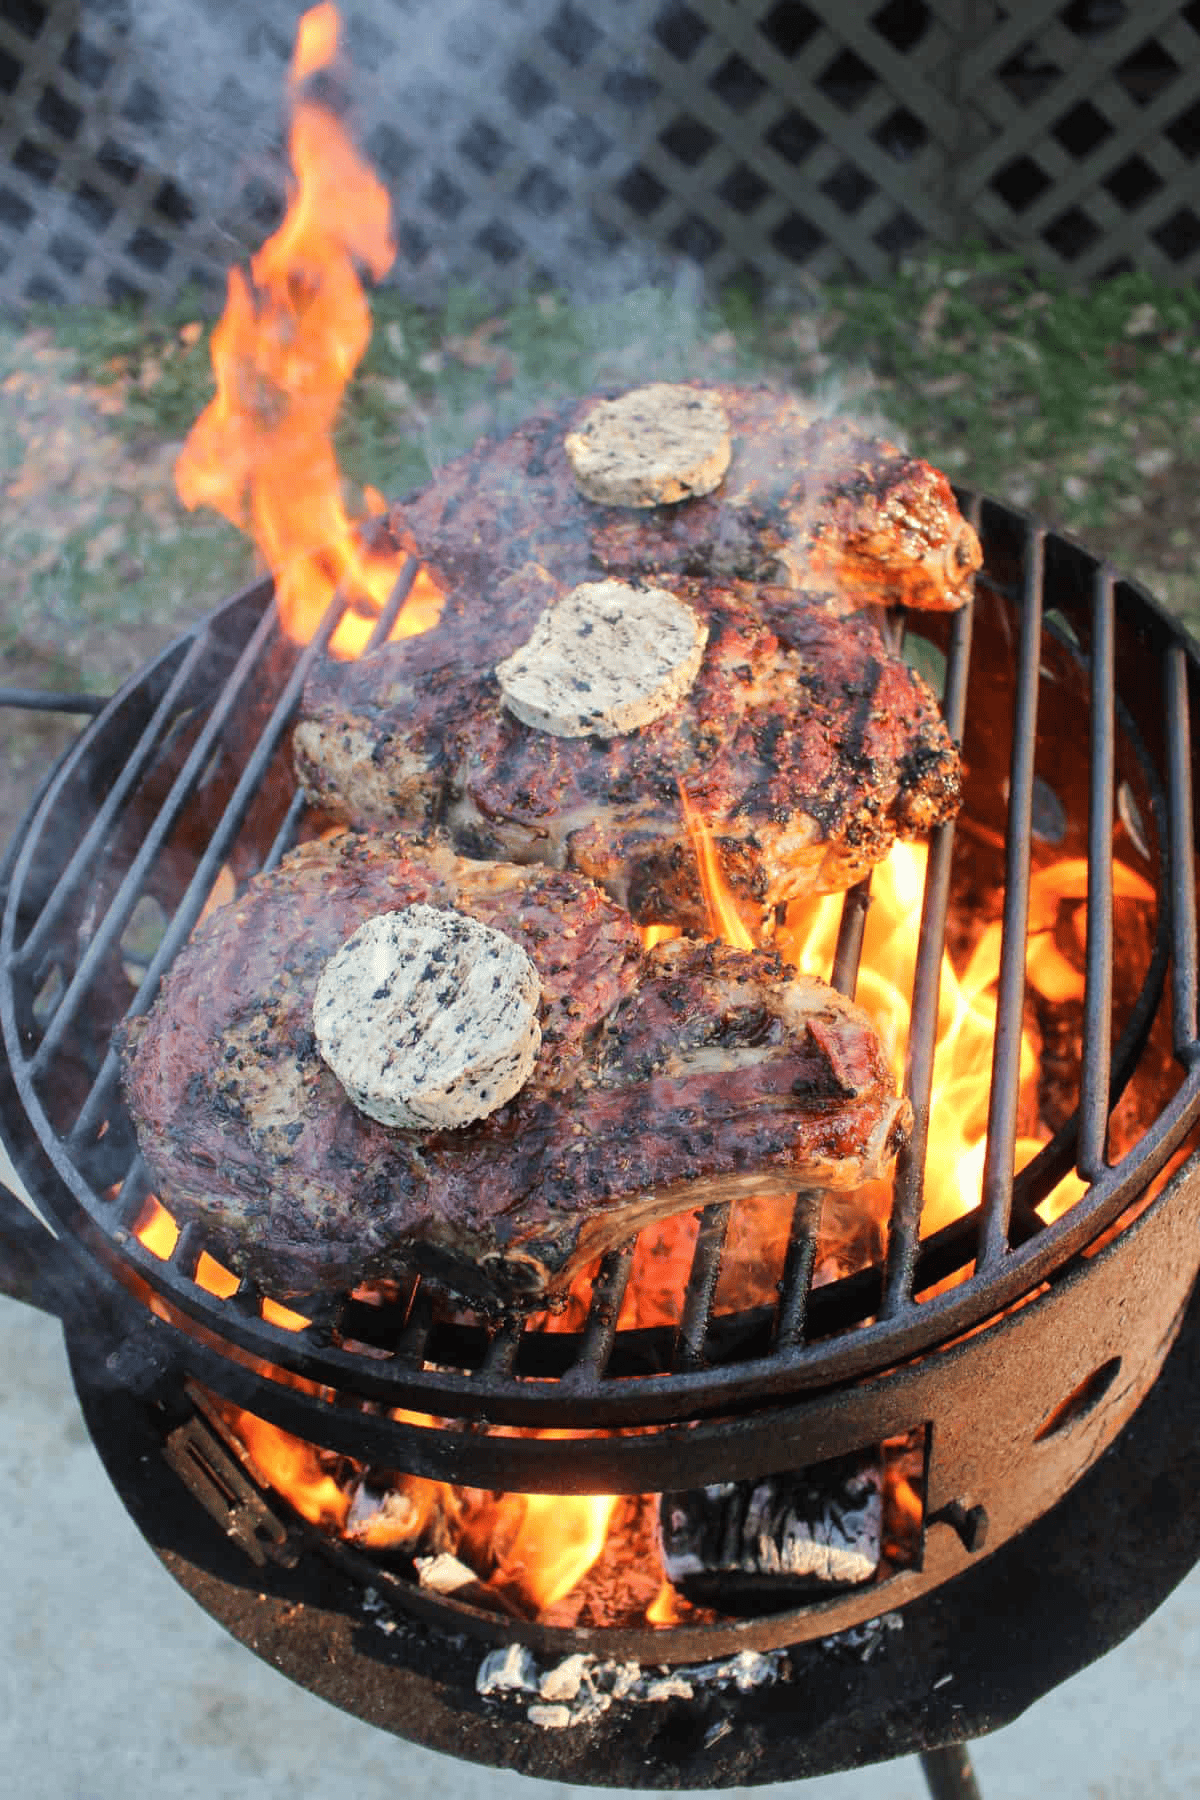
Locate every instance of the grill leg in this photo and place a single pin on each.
(948, 1773)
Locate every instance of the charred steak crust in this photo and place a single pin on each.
(666, 1078)
(807, 503)
(806, 747)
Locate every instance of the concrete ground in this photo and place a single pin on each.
(113, 1682)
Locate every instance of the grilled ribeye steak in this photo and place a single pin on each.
(807, 503)
(805, 758)
(665, 1079)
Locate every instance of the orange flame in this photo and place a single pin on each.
(293, 1467)
(316, 42)
(535, 1547)
(543, 1544)
(724, 920)
(966, 1013)
(290, 338)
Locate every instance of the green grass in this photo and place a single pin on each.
(1023, 384)
(1082, 407)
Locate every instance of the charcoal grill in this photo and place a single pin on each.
(1072, 691)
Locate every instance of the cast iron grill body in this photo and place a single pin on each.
(188, 770)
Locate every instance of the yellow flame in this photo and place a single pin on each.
(724, 920)
(290, 338)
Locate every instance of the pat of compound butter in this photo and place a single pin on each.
(653, 447)
(428, 1018)
(610, 657)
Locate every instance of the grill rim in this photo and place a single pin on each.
(613, 1399)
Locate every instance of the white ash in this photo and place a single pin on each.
(840, 1544)
(866, 1640)
(609, 658)
(444, 1574)
(581, 1688)
(428, 1018)
(654, 446)
(796, 1526)
(392, 1517)
(379, 1612)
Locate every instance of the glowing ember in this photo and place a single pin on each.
(155, 1229)
(666, 1608)
(290, 339)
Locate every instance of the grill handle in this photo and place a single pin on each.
(36, 700)
(34, 1268)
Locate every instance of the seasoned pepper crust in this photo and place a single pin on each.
(812, 504)
(807, 748)
(666, 1078)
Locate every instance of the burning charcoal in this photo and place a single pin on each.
(763, 1546)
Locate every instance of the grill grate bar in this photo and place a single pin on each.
(1010, 990)
(500, 1358)
(132, 1194)
(600, 1329)
(285, 837)
(390, 611)
(83, 858)
(702, 1285)
(801, 1255)
(226, 829)
(1096, 1057)
(411, 1342)
(908, 1193)
(799, 1263)
(1181, 855)
(189, 1247)
(130, 891)
(847, 953)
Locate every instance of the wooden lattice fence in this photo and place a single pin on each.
(140, 140)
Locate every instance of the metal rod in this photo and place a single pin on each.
(948, 1773)
(189, 1245)
(798, 1267)
(285, 837)
(702, 1285)
(501, 1355)
(847, 953)
(391, 608)
(801, 1256)
(1010, 991)
(130, 891)
(410, 1345)
(1096, 1053)
(600, 1327)
(83, 857)
(191, 904)
(31, 700)
(908, 1191)
(1181, 858)
(132, 1194)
